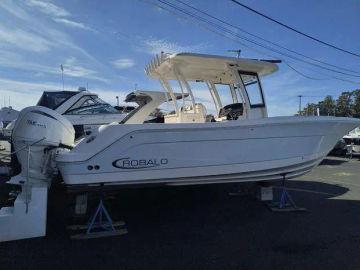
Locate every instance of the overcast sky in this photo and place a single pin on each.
(106, 44)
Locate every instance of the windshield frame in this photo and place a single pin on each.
(256, 105)
(50, 95)
(95, 98)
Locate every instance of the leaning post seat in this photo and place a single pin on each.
(188, 114)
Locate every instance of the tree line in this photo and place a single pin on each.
(346, 105)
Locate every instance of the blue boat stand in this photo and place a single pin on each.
(286, 203)
(100, 225)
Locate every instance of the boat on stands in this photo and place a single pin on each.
(240, 143)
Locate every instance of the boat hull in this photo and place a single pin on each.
(184, 154)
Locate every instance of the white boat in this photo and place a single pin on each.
(7, 115)
(245, 145)
(352, 140)
(85, 110)
(240, 143)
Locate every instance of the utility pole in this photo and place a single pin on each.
(300, 96)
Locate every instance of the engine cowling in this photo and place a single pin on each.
(46, 132)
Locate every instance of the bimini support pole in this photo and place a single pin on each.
(286, 203)
(180, 85)
(187, 86)
(168, 88)
(215, 96)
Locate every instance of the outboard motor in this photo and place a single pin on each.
(38, 135)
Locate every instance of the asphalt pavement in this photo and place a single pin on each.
(203, 227)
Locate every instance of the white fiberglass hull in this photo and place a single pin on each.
(246, 150)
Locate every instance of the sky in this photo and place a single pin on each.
(105, 45)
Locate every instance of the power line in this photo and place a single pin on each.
(243, 44)
(295, 30)
(226, 30)
(263, 39)
(203, 26)
(324, 96)
(328, 75)
(235, 40)
(302, 74)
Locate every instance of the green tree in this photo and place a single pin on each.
(310, 109)
(327, 106)
(344, 104)
(356, 103)
(347, 104)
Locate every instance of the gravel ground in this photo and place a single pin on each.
(203, 227)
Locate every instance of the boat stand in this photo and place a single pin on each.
(286, 203)
(99, 225)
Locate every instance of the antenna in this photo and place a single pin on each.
(117, 101)
(62, 75)
(135, 87)
(238, 52)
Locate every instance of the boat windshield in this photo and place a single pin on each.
(91, 104)
(87, 100)
(252, 88)
(94, 109)
(53, 100)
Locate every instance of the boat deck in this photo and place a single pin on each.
(205, 228)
